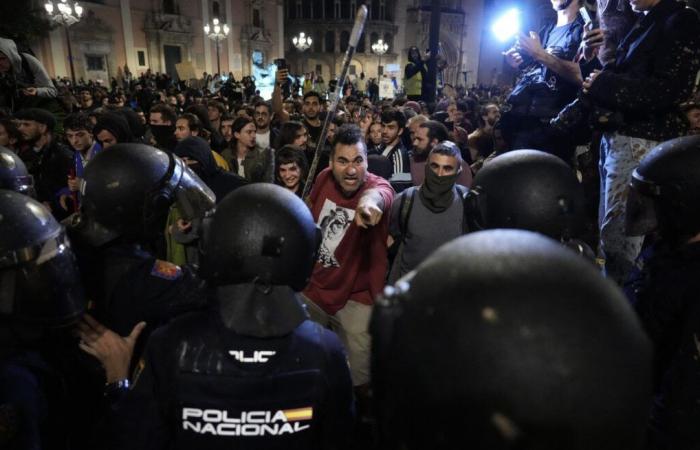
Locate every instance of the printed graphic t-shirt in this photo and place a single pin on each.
(352, 261)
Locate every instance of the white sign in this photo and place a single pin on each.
(386, 89)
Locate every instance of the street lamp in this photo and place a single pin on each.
(217, 33)
(379, 48)
(302, 43)
(65, 13)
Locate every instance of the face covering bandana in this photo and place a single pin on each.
(437, 193)
(164, 136)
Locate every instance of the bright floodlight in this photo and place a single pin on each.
(507, 26)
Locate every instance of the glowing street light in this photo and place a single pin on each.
(379, 48)
(65, 13)
(217, 33)
(302, 42)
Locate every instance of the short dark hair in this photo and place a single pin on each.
(313, 94)
(263, 103)
(166, 111)
(288, 133)
(436, 130)
(348, 134)
(193, 122)
(218, 105)
(291, 154)
(448, 148)
(77, 121)
(392, 114)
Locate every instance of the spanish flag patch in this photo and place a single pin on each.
(294, 415)
(166, 270)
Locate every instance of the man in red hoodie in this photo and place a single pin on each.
(351, 207)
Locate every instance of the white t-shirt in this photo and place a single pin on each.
(262, 141)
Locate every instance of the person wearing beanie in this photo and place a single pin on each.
(111, 129)
(47, 160)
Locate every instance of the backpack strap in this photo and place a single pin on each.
(405, 211)
(462, 191)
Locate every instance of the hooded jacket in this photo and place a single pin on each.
(222, 183)
(31, 72)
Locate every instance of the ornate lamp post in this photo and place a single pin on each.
(217, 33)
(379, 48)
(302, 43)
(65, 13)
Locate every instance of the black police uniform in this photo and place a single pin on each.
(665, 296)
(205, 386)
(250, 372)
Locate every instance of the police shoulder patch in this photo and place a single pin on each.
(166, 270)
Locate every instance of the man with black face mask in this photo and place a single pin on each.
(425, 217)
(162, 120)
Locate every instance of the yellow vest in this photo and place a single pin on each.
(414, 85)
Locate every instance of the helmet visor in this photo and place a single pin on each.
(193, 197)
(640, 216)
(45, 290)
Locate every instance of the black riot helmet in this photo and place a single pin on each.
(262, 233)
(664, 192)
(13, 173)
(39, 279)
(528, 190)
(504, 339)
(128, 190)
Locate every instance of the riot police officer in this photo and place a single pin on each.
(127, 192)
(503, 339)
(664, 205)
(529, 190)
(250, 372)
(13, 173)
(40, 291)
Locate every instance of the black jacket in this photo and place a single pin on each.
(653, 73)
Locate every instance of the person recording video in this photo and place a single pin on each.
(549, 79)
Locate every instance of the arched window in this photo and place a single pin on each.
(330, 41)
(361, 43)
(318, 9)
(390, 42)
(382, 10)
(353, 8)
(299, 13)
(336, 9)
(375, 10)
(388, 11)
(345, 9)
(257, 21)
(306, 8)
(215, 9)
(318, 41)
(344, 40)
(330, 9)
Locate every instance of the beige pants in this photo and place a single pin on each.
(351, 324)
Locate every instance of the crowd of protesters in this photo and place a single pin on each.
(393, 179)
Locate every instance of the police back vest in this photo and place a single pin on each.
(234, 391)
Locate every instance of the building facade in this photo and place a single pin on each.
(160, 34)
(399, 23)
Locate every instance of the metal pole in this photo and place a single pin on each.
(431, 82)
(70, 54)
(379, 66)
(218, 63)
